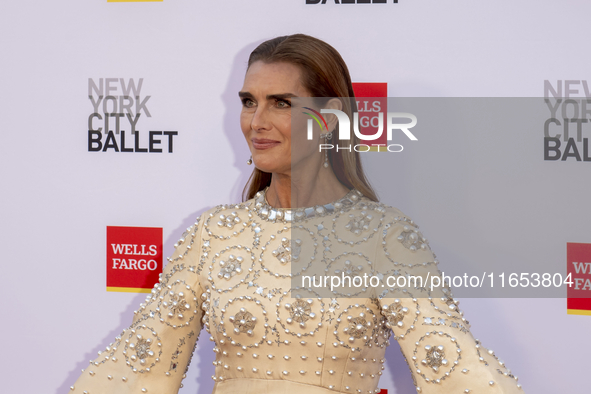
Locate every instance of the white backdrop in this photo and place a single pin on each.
(58, 198)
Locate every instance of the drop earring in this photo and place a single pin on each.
(249, 161)
(326, 136)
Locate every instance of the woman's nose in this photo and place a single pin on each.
(260, 120)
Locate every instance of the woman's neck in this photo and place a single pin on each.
(307, 190)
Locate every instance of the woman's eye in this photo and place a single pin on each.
(247, 102)
(283, 104)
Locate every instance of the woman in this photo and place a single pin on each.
(240, 270)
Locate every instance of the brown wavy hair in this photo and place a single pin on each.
(324, 75)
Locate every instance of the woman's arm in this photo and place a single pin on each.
(153, 354)
(433, 334)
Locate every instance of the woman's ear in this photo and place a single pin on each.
(331, 119)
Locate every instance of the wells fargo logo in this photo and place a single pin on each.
(134, 258)
(372, 104)
(578, 264)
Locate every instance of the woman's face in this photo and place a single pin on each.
(266, 115)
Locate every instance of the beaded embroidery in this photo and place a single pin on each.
(232, 274)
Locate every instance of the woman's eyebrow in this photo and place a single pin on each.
(245, 95)
(277, 96)
(281, 96)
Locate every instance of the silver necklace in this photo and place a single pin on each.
(267, 212)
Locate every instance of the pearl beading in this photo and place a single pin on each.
(260, 326)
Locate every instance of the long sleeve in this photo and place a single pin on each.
(433, 334)
(153, 354)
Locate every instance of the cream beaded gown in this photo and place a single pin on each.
(232, 273)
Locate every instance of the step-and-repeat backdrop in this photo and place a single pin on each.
(120, 125)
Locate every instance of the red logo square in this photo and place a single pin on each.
(578, 265)
(372, 109)
(134, 258)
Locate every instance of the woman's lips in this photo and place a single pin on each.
(264, 143)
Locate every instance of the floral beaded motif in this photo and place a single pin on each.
(288, 251)
(229, 221)
(360, 223)
(244, 321)
(435, 357)
(176, 304)
(300, 311)
(412, 239)
(142, 350)
(394, 314)
(138, 352)
(357, 328)
(230, 267)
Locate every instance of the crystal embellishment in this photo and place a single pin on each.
(435, 357)
(288, 251)
(358, 224)
(412, 239)
(266, 212)
(394, 314)
(300, 311)
(176, 304)
(142, 348)
(230, 267)
(229, 221)
(243, 321)
(357, 327)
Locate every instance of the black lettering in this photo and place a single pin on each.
(548, 148)
(137, 143)
(154, 141)
(111, 142)
(570, 145)
(92, 141)
(170, 134)
(123, 148)
(586, 150)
